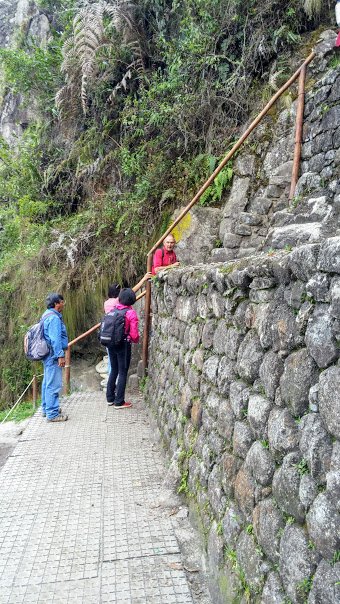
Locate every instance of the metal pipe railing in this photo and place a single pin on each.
(206, 185)
(298, 132)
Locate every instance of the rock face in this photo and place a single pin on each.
(252, 413)
(23, 16)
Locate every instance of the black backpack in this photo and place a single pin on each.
(112, 328)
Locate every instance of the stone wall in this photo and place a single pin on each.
(244, 379)
(257, 214)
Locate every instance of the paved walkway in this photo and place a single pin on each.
(79, 518)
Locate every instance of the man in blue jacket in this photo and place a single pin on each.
(56, 336)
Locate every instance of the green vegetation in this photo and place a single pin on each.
(304, 586)
(22, 411)
(302, 467)
(149, 97)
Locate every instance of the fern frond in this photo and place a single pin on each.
(80, 51)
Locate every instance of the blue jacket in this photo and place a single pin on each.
(55, 333)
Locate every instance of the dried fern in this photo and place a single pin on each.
(312, 7)
(80, 51)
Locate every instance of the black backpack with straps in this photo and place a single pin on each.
(112, 328)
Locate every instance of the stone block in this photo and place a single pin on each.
(208, 333)
(195, 332)
(329, 400)
(302, 261)
(198, 359)
(226, 420)
(218, 304)
(245, 492)
(250, 218)
(215, 547)
(186, 400)
(242, 439)
(308, 490)
(315, 445)
(297, 562)
(261, 296)
(238, 197)
(286, 484)
(215, 493)
(244, 165)
(335, 298)
(196, 413)
(270, 372)
(226, 374)
(260, 463)
(232, 525)
(239, 397)
(250, 356)
(295, 234)
(300, 373)
(250, 560)
(323, 524)
(232, 241)
(320, 340)
(326, 584)
(240, 317)
(260, 205)
(329, 257)
(268, 523)
(258, 412)
(318, 287)
(273, 591)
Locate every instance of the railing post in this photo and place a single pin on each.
(34, 391)
(147, 317)
(298, 132)
(67, 370)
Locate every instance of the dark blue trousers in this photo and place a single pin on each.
(120, 357)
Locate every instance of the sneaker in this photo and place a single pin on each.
(44, 413)
(125, 405)
(59, 418)
(110, 403)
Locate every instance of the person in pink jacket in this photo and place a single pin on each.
(120, 356)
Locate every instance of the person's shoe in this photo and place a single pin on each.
(125, 405)
(110, 403)
(44, 413)
(59, 418)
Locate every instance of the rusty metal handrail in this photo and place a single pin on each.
(298, 132)
(207, 184)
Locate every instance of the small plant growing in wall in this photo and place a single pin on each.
(183, 487)
(304, 586)
(302, 467)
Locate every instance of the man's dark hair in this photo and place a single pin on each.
(53, 299)
(113, 291)
(127, 296)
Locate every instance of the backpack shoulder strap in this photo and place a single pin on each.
(48, 315)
